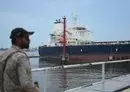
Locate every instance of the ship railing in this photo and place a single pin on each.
(106, 43)
(91, 43)
(94, 73)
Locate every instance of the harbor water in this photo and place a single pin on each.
(61, 79)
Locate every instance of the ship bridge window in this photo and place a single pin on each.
(52, 35)
(79, 28)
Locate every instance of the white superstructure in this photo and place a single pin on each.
(75, 35)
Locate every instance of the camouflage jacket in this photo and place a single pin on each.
(17, 74)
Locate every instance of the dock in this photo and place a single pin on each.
(34, 56)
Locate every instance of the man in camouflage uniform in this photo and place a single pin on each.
(17, 73)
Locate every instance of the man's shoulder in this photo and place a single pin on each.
(20, 54)
(14, 53)
(5, 54)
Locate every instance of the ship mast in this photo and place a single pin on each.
(74, 20)
(64, 39)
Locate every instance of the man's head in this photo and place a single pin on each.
(20, 37)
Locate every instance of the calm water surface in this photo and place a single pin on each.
(59, 80)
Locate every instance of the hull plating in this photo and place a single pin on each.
(83, 54)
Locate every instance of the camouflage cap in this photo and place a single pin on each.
(19, 32)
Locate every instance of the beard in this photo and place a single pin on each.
(25, 46)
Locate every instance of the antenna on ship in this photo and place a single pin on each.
(74, 18)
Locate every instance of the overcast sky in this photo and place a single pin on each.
(107, 19)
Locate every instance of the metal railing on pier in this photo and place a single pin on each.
(90, 72)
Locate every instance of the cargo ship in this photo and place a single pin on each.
(73, 45)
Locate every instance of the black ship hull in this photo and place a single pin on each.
(85, 53)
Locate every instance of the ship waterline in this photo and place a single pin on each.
(76, 59)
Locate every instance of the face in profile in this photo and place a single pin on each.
(25, 42)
